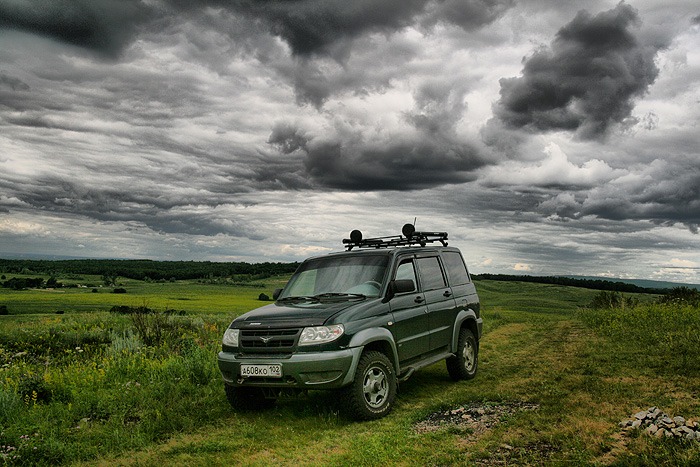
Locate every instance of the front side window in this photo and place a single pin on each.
(405, 271)
(363, 275)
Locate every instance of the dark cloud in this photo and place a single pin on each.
(399, 166)
(405, 165)
(101, 25)
(468, 15)
(13, 84)
(312, 26)
(430, 156)
(161, 211)
(308, 26)
(586, 81)
(328, 26)
(663, 194)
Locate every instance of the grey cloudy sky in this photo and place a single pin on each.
(546, 137)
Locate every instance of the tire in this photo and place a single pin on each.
(464, 364)
(371, 394)
(247, 398)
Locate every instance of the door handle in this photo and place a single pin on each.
(419, 299)
(447, 294)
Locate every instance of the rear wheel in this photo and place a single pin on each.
(247, 398)
(371, 394)
(463, 365)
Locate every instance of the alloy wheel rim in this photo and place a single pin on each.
(375, 387)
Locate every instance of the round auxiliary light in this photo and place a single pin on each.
(356, 236)
(407, 230)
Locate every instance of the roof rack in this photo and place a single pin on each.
(409, 237)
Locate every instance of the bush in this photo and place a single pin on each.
(682, 296)
(119, 290)
(612, 300)
(152, 328)
(4, 310)
(33, 389)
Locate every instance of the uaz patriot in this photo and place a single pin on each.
(359, 322)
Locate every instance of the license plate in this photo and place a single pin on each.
(261, 371)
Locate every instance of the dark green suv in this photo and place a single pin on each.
(360, 322)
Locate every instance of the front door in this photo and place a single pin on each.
(411, 327)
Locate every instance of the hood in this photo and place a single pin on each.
(292, 315)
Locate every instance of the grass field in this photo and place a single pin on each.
(82, 388)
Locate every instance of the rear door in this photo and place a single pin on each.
(440, 300)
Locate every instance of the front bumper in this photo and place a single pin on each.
(313, 370)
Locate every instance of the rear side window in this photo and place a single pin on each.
(456, 270)
(430, 273)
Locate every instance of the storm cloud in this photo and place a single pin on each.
(105, 26)
(193, 130)
(586, 81)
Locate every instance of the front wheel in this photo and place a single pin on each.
(463, 365)
(372, 392)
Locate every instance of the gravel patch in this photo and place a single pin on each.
(478, 417)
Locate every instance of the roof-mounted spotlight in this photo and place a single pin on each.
(356, 236)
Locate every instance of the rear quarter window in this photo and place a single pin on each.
(456, 269)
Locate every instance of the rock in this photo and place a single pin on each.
(652, 429)
(640, 415)
(679, 421)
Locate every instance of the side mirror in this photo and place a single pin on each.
(276, 294)
(400, 286)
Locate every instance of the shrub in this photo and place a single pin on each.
(264, 297)
(4, 310)
(682, 296)
(612, 300)
(152, 328)
(119, 290)
(33, 389)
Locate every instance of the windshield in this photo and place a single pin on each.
(349, 275)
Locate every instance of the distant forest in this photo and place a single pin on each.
(597, 284)
(145, 269)
(182, 270)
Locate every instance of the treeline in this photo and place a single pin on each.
(596, 284)
(145, 269)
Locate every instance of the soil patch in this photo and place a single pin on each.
(478, 417)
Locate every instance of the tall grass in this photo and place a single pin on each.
(664, 335)
(76, 387)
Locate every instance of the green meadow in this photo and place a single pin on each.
(87, 386)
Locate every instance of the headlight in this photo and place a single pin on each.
(231, 337)
(321, 334)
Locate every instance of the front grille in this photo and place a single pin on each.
(273, 340)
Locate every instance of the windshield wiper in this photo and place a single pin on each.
(295, 298)
(339, 294)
